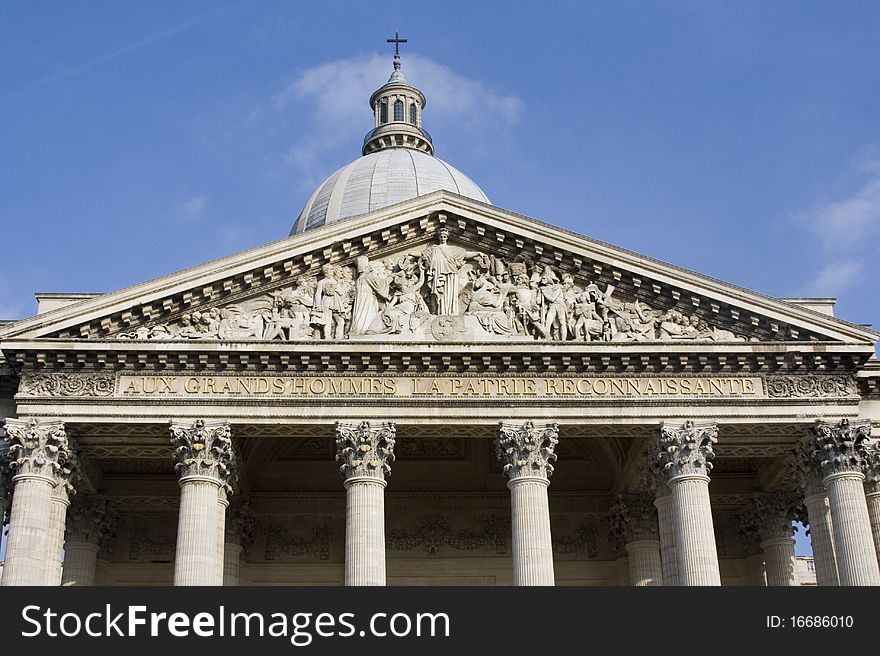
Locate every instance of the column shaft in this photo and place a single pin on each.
(853, 541)
(780, 562)
(231, 564)
(79, 564)
(757, 574)
(530, 520)
(29, 539)
(101, 571)
(645, 568)
(694, 531)
(622, 570)
(365, 531)
(822, 539)
(873, 501)
(222, 505)
(57, 522)
(668, 558)
(197, 554)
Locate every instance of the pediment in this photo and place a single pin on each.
(500, 277)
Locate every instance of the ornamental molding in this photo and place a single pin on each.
(687, 449)
(434, 534)
(65, 385)
(527, 449)
(365, 449)
(205, 449)
(842, 447)
(812, 386)
(42, 449)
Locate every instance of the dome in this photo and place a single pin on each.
(380, 179)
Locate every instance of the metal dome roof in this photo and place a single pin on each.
(380, 179)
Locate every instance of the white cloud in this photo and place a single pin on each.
(193, 207)
(334, 97)
(847, 231)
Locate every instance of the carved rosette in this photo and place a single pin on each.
(811, 386)
(203, 449)
(842, 447)
(66, 385)
(687, 450)
(807, 469)
(527, 449)
(40, 449)
(749, 528)
(633, 518)
(240, 523)
(776, 512)
(365, 449)
(872, 468)
(91, 519)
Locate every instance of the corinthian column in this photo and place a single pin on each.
(841, 452)
(366, 451)
(206, 465)
(686, 453)
(657, 480)
(777, 512)
(5, 483)
(749, 536)
(39, 457)
(809, 475)
(91, 523)
(634, 525)
(239, 533)
(872, 492)
(526, 452)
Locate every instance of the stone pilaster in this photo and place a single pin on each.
(657, 480)
(39, 456)
(366, 451)
(527, 454)
(777, 512)
(239, 534)
(841, 452)
(206, 463)
(633, 523)
(91, 522)
(686, 453)
(808, 472)
(872, 491)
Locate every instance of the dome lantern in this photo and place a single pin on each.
(397, 113)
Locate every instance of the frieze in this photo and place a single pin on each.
(433, 533)
(144, 547)
(66, 385)
(811, 386)
(581, 542)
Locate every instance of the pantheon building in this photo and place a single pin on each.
(417, 387)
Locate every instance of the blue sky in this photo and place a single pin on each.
(737, 139)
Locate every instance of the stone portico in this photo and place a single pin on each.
(435, 391)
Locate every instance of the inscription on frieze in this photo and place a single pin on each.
(382, 387)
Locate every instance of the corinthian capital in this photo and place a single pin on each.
(842, 447)
(240, 523)
(527, 449)
(91, 519)
(202, 449)
(688, 449)
(808, 469)
(365, 449)
(5, 469)
(776, 512)
(633, 518)
(40, 449)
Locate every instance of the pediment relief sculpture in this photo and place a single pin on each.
(439, 292)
